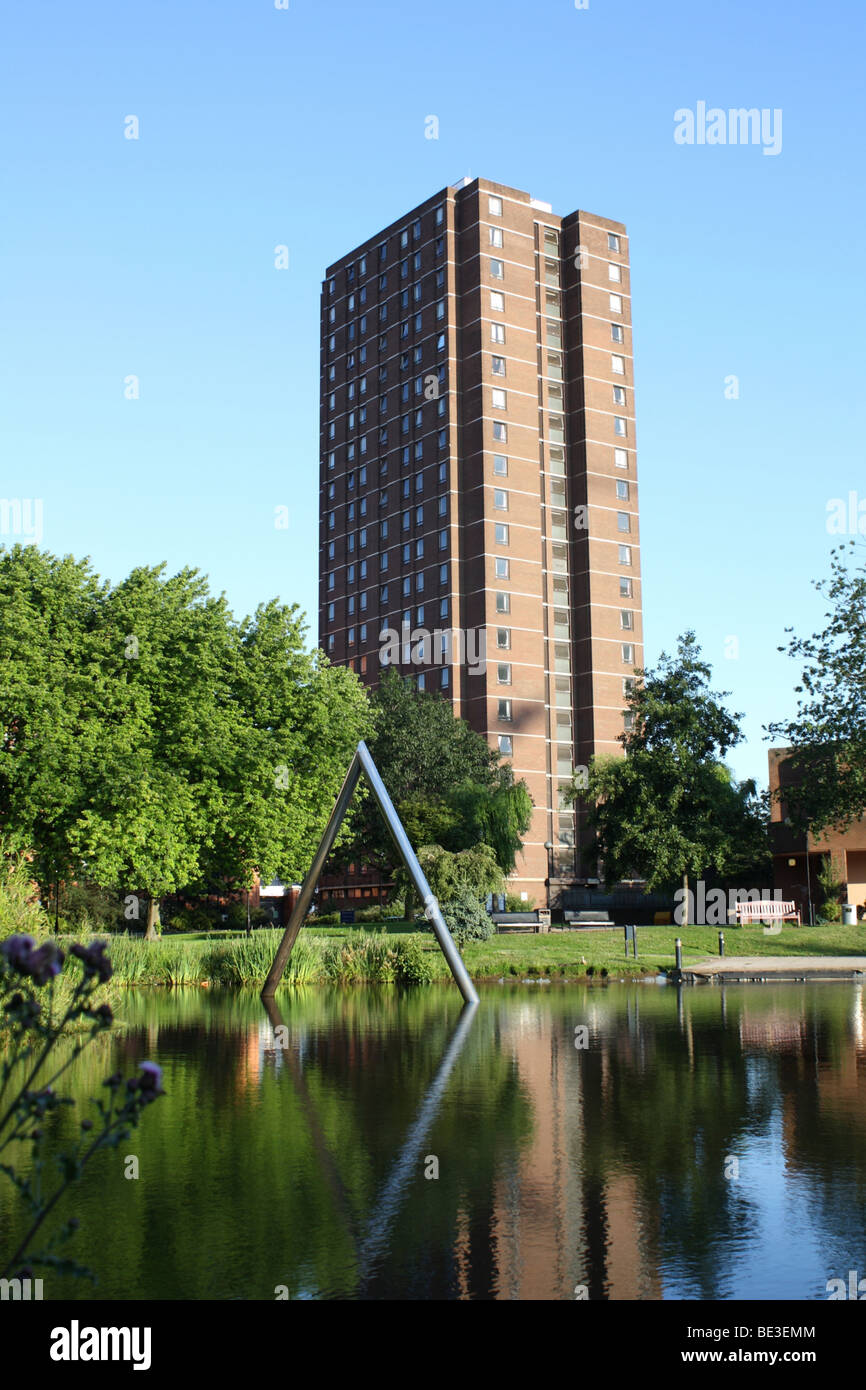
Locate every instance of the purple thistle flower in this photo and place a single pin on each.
(44, 964)
(17, 950)
(151, 1081)
(94, 959)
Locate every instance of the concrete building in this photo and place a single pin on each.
(479, 508)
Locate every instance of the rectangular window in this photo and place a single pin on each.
(500, 465)
(495, 236)
(505, 744)
(503, 602)
(620, 426)
(503, 711)
(500, 431)
(626, 619)
(499, 366)
(503, 638)
(625, 554)
(621, 490)
(619, 396)
(614, 273)
(503, 673)
(500, 398)
(623, 521)
(501, 568)
(497, 301)
(620, 458)
(501, 533)
(497, 269)
(628, 653)
(625, 588)
(616, 333)
(612, 241)
(616, 303)
(497, 332)
(500, 499)
(494, 206)
(617, 364)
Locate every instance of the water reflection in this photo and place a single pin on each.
(706, 1143)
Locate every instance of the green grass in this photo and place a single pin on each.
(360, 956)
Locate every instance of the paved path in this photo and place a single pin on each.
(776, 968)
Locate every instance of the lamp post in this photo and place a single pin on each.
(548, 845)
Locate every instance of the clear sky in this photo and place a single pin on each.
(305, 127)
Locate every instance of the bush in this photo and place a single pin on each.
(369, 914)
(191, 919)
(466, 917)
(514, 903)
(85, 907)
(831, 889)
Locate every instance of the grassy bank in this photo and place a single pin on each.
(357, 956)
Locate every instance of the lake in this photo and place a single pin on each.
(620, 1142)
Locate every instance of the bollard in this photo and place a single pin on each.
(721, 943)
(679, 950)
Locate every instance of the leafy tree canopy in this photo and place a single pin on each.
(153, 743)
(827, 737)
(671, 808)
(448, 786)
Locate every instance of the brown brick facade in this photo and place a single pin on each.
(478, 475)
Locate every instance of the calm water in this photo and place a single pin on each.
(612, 1166)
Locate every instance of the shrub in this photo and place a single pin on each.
(414, 966)
(86, 907)
(369, 914)
(466, 917)
(514, 903)
(831, 888)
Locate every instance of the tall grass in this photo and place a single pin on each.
(246, 960)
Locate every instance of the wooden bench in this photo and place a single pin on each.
(587, 919)
(765, 911)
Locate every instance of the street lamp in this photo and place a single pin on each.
(548, 845)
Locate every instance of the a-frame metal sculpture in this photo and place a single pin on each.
(362, 762)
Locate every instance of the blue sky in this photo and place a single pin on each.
(305, 127)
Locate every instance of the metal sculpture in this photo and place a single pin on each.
(362, 762)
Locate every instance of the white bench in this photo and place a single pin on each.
(766, 910)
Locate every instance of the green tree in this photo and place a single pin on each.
(51, 687)
(188, 750)
(670, 809)
(827, 737)
(474, 869)
(448, 786)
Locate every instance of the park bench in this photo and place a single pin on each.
(535, 920)
(765, 911)
(587, 919)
